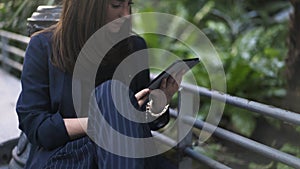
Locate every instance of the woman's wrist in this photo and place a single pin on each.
(76, 127)
(155, 111)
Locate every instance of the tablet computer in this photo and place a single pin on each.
(175, 67)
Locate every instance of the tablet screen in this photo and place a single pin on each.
(175, 67)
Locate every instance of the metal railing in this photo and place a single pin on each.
(8, 50)
(184, 146)
(263, 109)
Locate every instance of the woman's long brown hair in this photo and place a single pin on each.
(78, 21)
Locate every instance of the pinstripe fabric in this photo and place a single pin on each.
(85, 154)
(77, 154)
(124, 126)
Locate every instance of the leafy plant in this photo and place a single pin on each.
(250, 37)
(261, 166)
(14, 13)
(250, 42)
(291, 149)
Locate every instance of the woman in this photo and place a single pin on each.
(45, 106)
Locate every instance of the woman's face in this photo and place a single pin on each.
(117, 9)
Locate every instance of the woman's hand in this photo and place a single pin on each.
(168, 87)
(163, 96)
(141, 96)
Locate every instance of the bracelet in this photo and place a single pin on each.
(148, 109)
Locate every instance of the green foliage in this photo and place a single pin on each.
(14, 13)
(298, 129)
(283, 166)
(243, 121)
(275, 122)
(255, 58)
(209, 150)
(269, 166)
(290, 149)
(261, 166)
(217, 151)
(250, 40)
(249, 36)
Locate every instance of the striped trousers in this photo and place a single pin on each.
(87, 153)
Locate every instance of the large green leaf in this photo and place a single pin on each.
(243, 122)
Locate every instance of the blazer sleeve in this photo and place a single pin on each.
(42, 126)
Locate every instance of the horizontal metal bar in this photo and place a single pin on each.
(12, 63)
(14, 36)
(190, 152)
(15, 50)
(204, 159)
(267, 151)
(263, 109)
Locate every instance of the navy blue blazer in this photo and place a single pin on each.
(46, 98)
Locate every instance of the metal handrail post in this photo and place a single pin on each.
(4, 41)
(184, 134)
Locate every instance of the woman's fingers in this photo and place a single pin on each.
(141, 96)
(163, 83)
(142, 101)
(171, 84)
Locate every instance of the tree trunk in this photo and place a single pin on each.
(293, 60)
